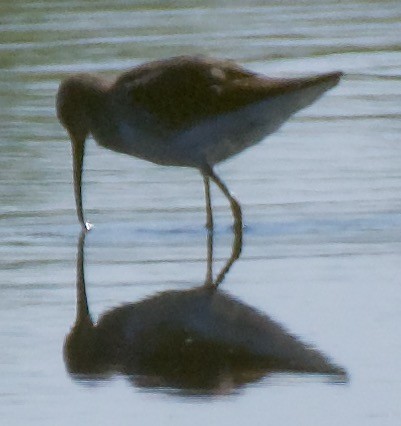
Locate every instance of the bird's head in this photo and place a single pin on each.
(78, 98)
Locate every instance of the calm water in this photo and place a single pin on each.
(321, 200)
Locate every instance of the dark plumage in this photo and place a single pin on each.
(185, 90)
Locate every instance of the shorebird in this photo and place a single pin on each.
(189, 111)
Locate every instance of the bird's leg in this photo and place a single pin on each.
(209, 270)
(209, 226)
(235, 254)
(235, 206)
(209, 213)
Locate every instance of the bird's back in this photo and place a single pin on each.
(183, 91)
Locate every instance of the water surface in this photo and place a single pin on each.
(321, 203)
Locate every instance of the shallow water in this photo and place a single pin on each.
(321, 201)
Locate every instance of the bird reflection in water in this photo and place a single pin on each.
(198, 341)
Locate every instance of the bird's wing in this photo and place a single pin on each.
(184, 90)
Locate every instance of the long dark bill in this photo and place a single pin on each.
(78, 151)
